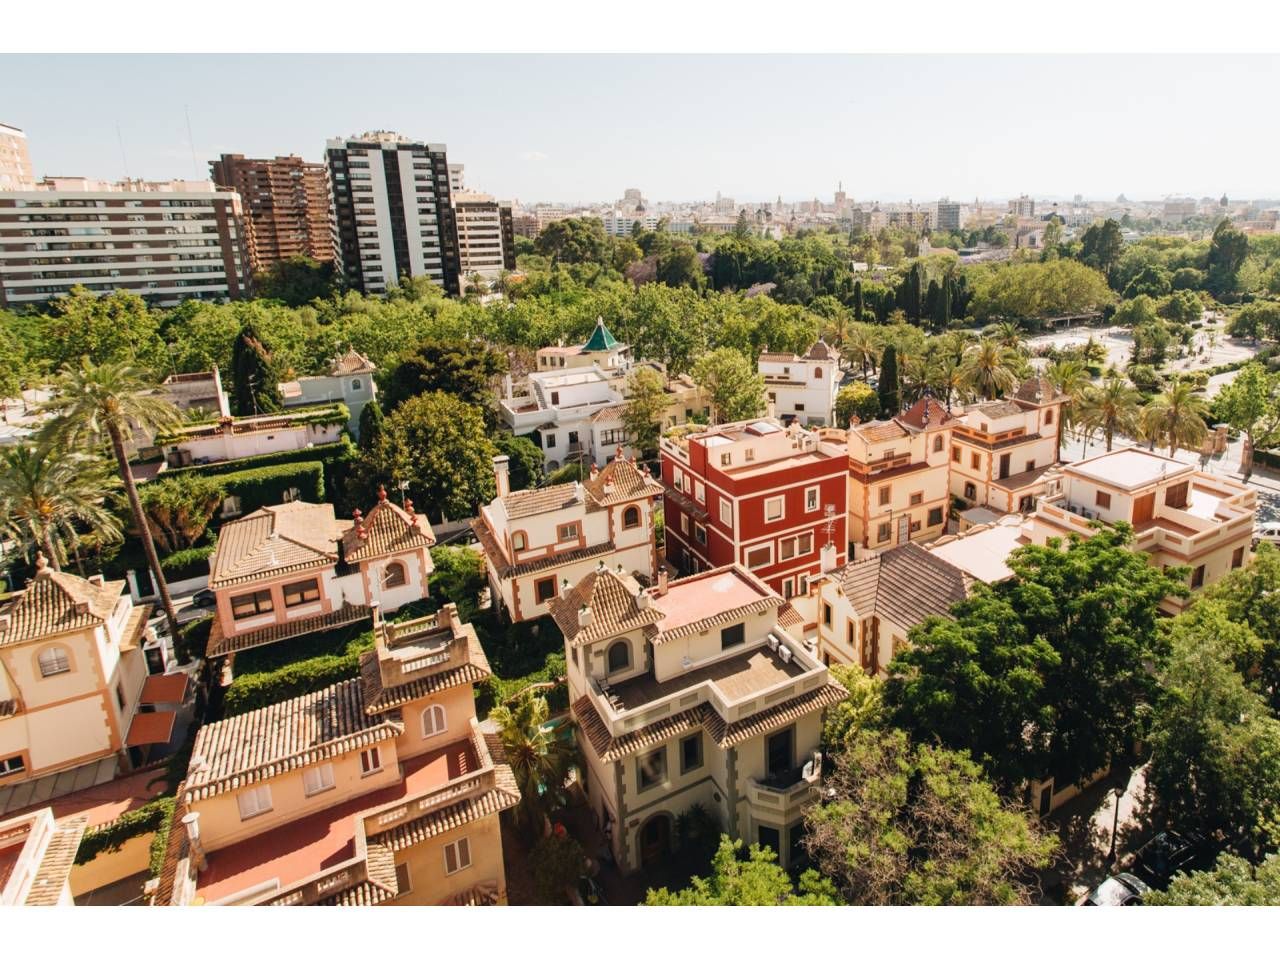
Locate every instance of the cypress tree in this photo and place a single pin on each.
(370, 426)
(890, 402)
(857, 301)
(253, 381)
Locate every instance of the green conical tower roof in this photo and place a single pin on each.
(601, 339)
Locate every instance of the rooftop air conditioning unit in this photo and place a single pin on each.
(784, 653)
(773, 642)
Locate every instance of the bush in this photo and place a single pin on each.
(192, 640)
(338, 460)
(567, 474)
(155, 816)
(258, 690)
(459, 576)
(188, 563)
(521, 654)
(556, 862)
(266, 486)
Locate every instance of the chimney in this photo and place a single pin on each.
(96, 579)
(827, 557)
(448, 616)
(502, 474)
(643, 600)
(379, 639)
(663, 582)
(584, 617)
(506, 386)
(42, 565)
(191, 822)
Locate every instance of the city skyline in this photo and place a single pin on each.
(748, 127)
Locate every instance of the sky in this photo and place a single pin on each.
(570, 128)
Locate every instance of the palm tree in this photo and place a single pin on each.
(1176, 417)
(45, 491)
(1071, 378)
(863, 350)
(989, 368)
(947, 378)
(1008, 334)
(540, 758)
(93, 404)
(915, 376)
(1114, 407)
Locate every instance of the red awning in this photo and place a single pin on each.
(165, 688)
(150, 728)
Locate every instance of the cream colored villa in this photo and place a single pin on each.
(693, 692)
(538, 542)
(1181, 516)
(293, 569)
(72, 675)
(378, 789)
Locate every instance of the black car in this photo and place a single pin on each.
(203, 598)
(1122, 890)
(1170, 853)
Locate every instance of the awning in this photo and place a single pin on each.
(165, 688)
(149, 728)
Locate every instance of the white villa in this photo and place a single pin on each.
(803, 388)
(349, 380)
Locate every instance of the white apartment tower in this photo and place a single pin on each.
(486, 235)
(392, 215)
(15, 160)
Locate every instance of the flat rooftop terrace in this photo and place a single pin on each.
(737, 677)
(1129, 468)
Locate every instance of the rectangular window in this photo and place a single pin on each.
(573, 437)
(404, 883)
(700, 492)
(684, 523)
(804, 544)
(691, 753)
(975, 461)
(810, 499)
(1031, 465)
(935, 516)
(544, 589)
(937, 444)
(826, 614)
(760, 556)
(1197, 577)
(773, 509)
(12, 765)
(733, 636)
(1237, 558)
(296, 594)
(970, 491)
(800, 408)
(1102, 499)
(700, 533)
(370, 761)
(567, 531)
(254, 801)
(457, 856)
(651, 769)
(786, 548)
(883, 532)
(885, 494)
(768, 837)
(788, 588)
(802, 584)
(917, 499)
(726, 513)
(955, 453)
(549, 441)
(1048, 416)
(749, 454)
(251, 604)
(317, 779)
(726, 459)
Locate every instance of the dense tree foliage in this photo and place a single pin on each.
(295, 281)
(1233, 882)
(465, 369)
(753, 880)
(733, 386)
(254, 377)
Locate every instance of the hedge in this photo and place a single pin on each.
(266, 486)
(280, 675)
(337, 458)
(188, 563)
(155, 816)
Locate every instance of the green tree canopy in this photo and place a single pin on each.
(254, 378)
(889, 388)
(526, 460)
(735, 389)
(1233, 882)
(856, 400)
(645, 408)
(1251, 404)
(1037, 290)
(755, 880)
(295, 281)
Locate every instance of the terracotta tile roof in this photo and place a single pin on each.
(55, 865)
(504, 568)
(387, 529)
(55, 603)
(614, 610)
(405, 835)
(378, 698)
(220, 645)
(481, 895)
(789, 617)
(275, 540)
(351, 362)
(822, 351)
(620, 480)
(136, 626)
(878, 430)
(905, 585)
(1037, 390)
(609, 748)
(609, 414)
(915, 415)
(264, 743)
(527, 503)
(175, 855)
(379, 886)
(996, 409)
(779, 357)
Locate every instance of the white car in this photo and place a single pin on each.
(1267, 533)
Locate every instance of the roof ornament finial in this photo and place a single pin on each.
(408, 508)
(42, 564)
(358, 517)
(382, 492)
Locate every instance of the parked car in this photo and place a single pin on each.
(1266, 533)
(203, 598)
(1171, 853)
(1122, 890)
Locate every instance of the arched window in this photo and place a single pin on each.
(619, 656)
(54, 660)
(433, 721)
(357, 385)
(631, 518)
(395, 575)
(517, 540)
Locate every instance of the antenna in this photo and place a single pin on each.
(831, 522)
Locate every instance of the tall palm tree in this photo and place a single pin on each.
(45, 491)
(1176, 417)
(947, 378)
(914, 378)
(1113, 407)
(97, 404)
(1071, 378)
(540, 758)
(863, 350)
(989, 368)
(1008, 334)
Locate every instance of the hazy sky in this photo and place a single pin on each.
(682, 127)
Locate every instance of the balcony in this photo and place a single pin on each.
(788, 792)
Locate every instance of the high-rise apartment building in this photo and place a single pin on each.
(948, 215)
(392, 215)
(1024, 206)
(286, 206)
(486, 235)
(166, 241)
(15, 161)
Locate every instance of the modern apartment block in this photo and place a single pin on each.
(486, 236)
(949, 215)
(693, 692)
(539, 542)
(1181, 516)
(167, 242)
(803, 388)
(757, 494)
(15, 160)
(286, 206)
(392, 211)
(381, 788)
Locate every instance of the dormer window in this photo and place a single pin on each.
(518, 541)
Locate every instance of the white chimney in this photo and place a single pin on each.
(502, 474)
(96, 579)
(827, 557)
(663, 582)
(584, 617)
(643, 600)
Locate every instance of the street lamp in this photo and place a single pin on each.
(1118, 790)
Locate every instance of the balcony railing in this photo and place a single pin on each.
(785, 792)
